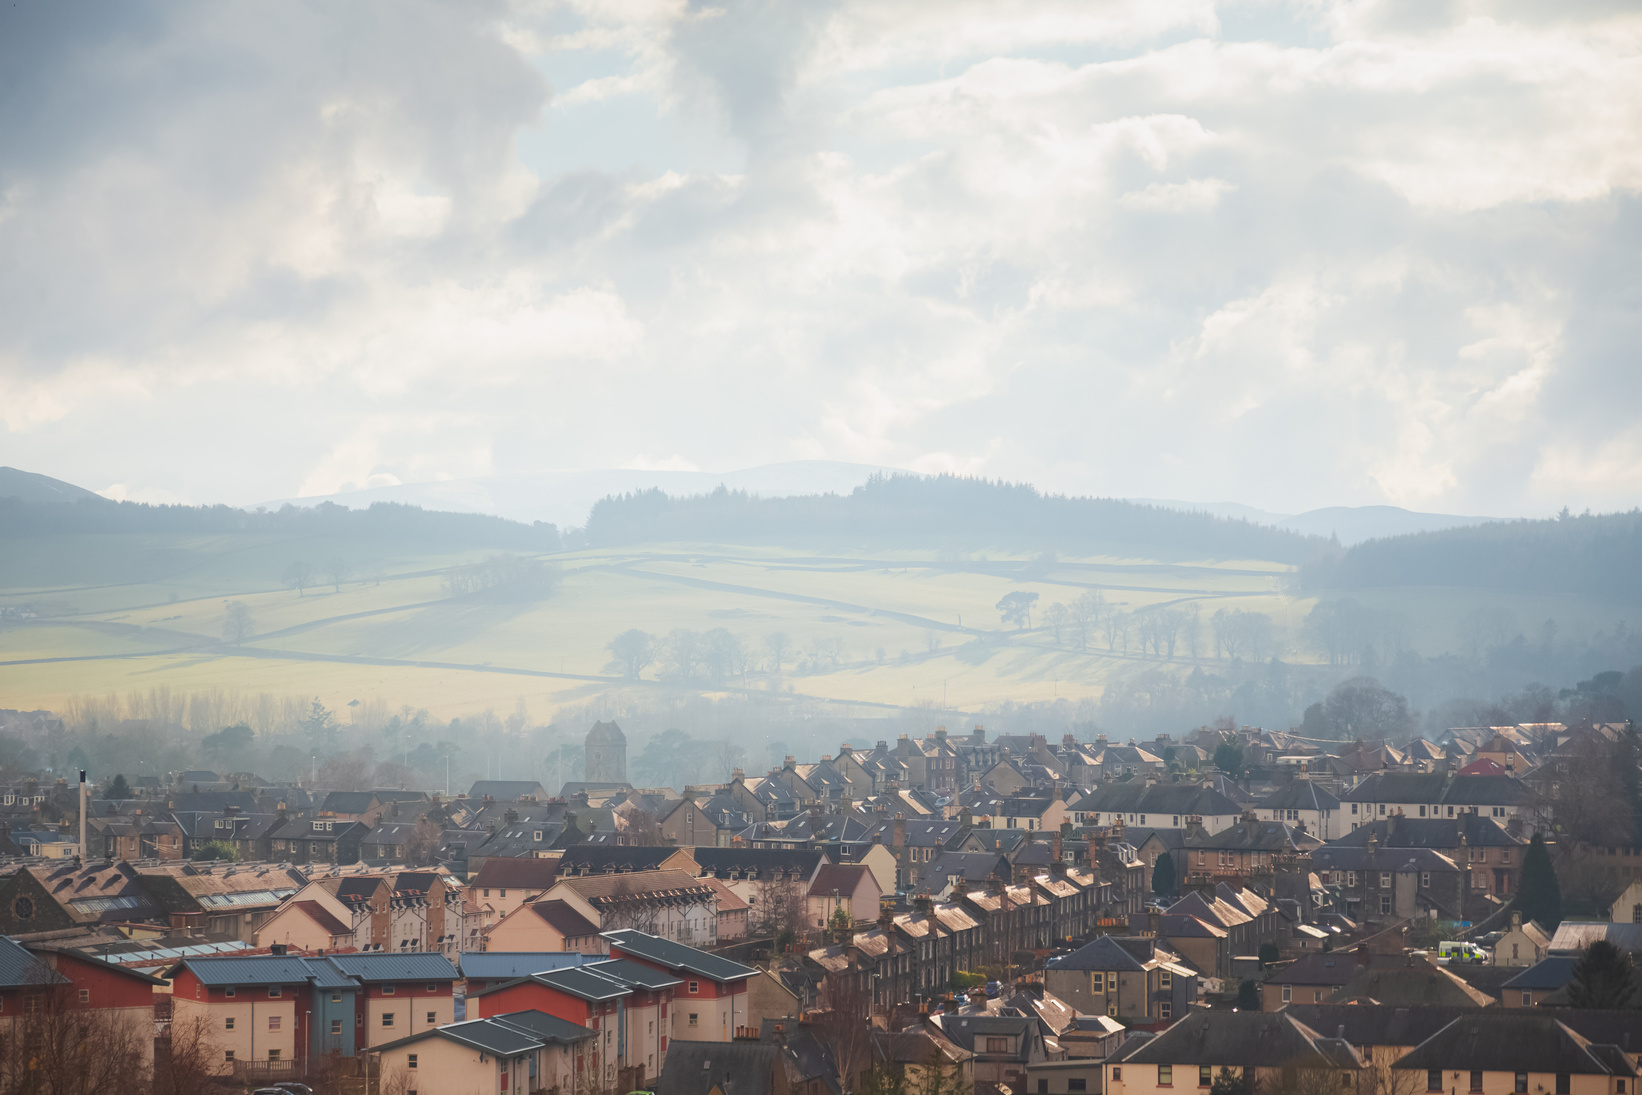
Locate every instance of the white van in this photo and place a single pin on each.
(1460, 951)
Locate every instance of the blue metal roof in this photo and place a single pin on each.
(18, 967)
(631, 973)
(261, 969)
(500, 965)
(677, 956)
(580, 982)
(407, 966)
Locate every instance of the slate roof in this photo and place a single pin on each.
(1302, 794)
(842, 877)
(564, 919)
(677, 956)
(920, 832)
(1264, 836)
(1418, 982)
(741, 860)
(600, 858)
(514, 965)
(400, 966)
(1548, 974)
(970, 866)
(1104, 953)
(742, 1068)
(1250, 1039)
(18, 967)
(1379, 1024)
(1433, 832)
(1573, 936)
(348, 802)
(621, 969)
(1159, 798)
(511, 1035)
(506, 790)
(1512, 1040)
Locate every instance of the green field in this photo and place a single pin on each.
(892, 629)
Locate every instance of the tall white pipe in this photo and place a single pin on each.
(82, 815)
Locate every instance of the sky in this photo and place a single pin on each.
(1288, 254)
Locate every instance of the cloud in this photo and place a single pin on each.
(1293, 254)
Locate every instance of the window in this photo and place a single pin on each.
(387, 1018)
(359, 1019)
(432, 987)
(410, 1060)
(1204, 1076)
(1288, 993)
(228, 1023)
(388, 990)
(1514, 947)
(1351, 879)
(693, 986)
(273, 1054)
(1433, 1080)
(1425, 880)
(229, 992)
(273, 1022)
(1165, 1075)
(1043, 1087)
(1522, 1084)
(227, 1055)
(273, 992)
(336, 997)
(1476, 1079)
(1166, 981)
(1354, 807)
(1385, 904)
(85, 996)
(1385, 880)
(1562, 1081)
(1097, 982)
(1164, 1009)
(1111, 1010)
(1117, 1072)
(1076, 1083)
(336, 1026)
(487, 891)
(1505, 856)
(433, 1020)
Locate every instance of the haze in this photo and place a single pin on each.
(1289, 255)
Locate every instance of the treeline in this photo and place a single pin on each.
(944, 510)
(1598, 555)
(382, 521)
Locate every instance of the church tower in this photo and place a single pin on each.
(606, 754)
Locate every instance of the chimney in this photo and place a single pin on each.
(737, 775)
(82, 815)
(900, 830)
(979, 735)
(940, 733)
(1194, 827)
(1154, 923)
(277, 949)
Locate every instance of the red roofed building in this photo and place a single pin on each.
(545, 926)
(711, 1001)
(503, 883)
(1483, 766)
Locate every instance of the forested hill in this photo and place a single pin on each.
(408, 525)
(943, 511)
(1600, 556)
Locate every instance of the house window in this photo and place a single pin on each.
(273, 1054)
(228, 1023)
(1117, 1072)
(694, 986)
(1204, 1076)
(85, 996)
(387, 990)
(1562, 1082)
(1476, 1079)
(1076, 1083)
(229, 992)
(1527, 999)
(387, 1018)
(336, 1026)
(1514, 947)
(1433, 1080)
(1354, 807)
(410, 1060)
(227, 1055)
(692, 1018)
(1097, 982)
(433, 1019)
(273, 1022)
(1164, 1010)
(1166, 981)
(1522, 1084)
(1043, 1087)
(1385, 880)
(1425, 880)
(273, 992)
(1385, 904)
(487, 891)
(1351, 879)
(1165, 1075)
(432, 987)
(1505, 855)
(1288, 993)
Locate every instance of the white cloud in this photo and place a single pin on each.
(1365, 253)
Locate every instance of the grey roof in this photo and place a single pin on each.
(677, 956)
(510, 1035)
(1104, 953)
(970, 866)
(1399, 787)
(634, 974)
(606, 857)
(723, 861)
(605, 733)
(506, 790)
(1573, 936)
(1433, 832)
(349, 802)
(409, 966)
(19, 967)
(1356, 857)
(695, 1068)
(262, 969)
(1379, 1024)
(1266, 836)
(1137, 797)
(579, 981)
(1302, 794)
(1549, 974)
(513, 965)
(1250, 1039)
(1510, 1040)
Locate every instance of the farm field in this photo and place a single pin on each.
(878, 629)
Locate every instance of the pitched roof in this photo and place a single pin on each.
(1250, 1039)
(397, 966)
(1302, 794)
(744, 1068)
(1548, 974)
(322, 916)
(506, 790)
(19, 967)
(842, 877)
(1512, 1040)
(513, 965)
(511, 1035)
(563, 919)
(677, 956)
(516, 872)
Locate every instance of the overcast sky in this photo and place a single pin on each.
(1289, 254)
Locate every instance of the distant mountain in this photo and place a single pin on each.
(28, 486)
(565, 498)
(1352, 524)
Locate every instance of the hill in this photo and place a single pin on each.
(1599, 556)
(903, 510)
(34, 488)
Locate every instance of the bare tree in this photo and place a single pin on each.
(1087, 613)
(336, 572)
(777, 643)
(56, 1047)
(780, 908)
(1058, 619)
(723, 654)
(681, 655)
(1114, 625)
(843, 1026)
(237, 625)
(299, 576)
(186, 1060)
(729, 757)
(626, 907)
(631, 652)
(422, 849)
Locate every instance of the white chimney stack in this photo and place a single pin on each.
(82, 815)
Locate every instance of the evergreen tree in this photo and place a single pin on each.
(1627, 757)
(1227, 1082)
(1602, 978)
(119, 788)
(1540, 896)
(1163, 876)
(1248, 996)
(1228, 757)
